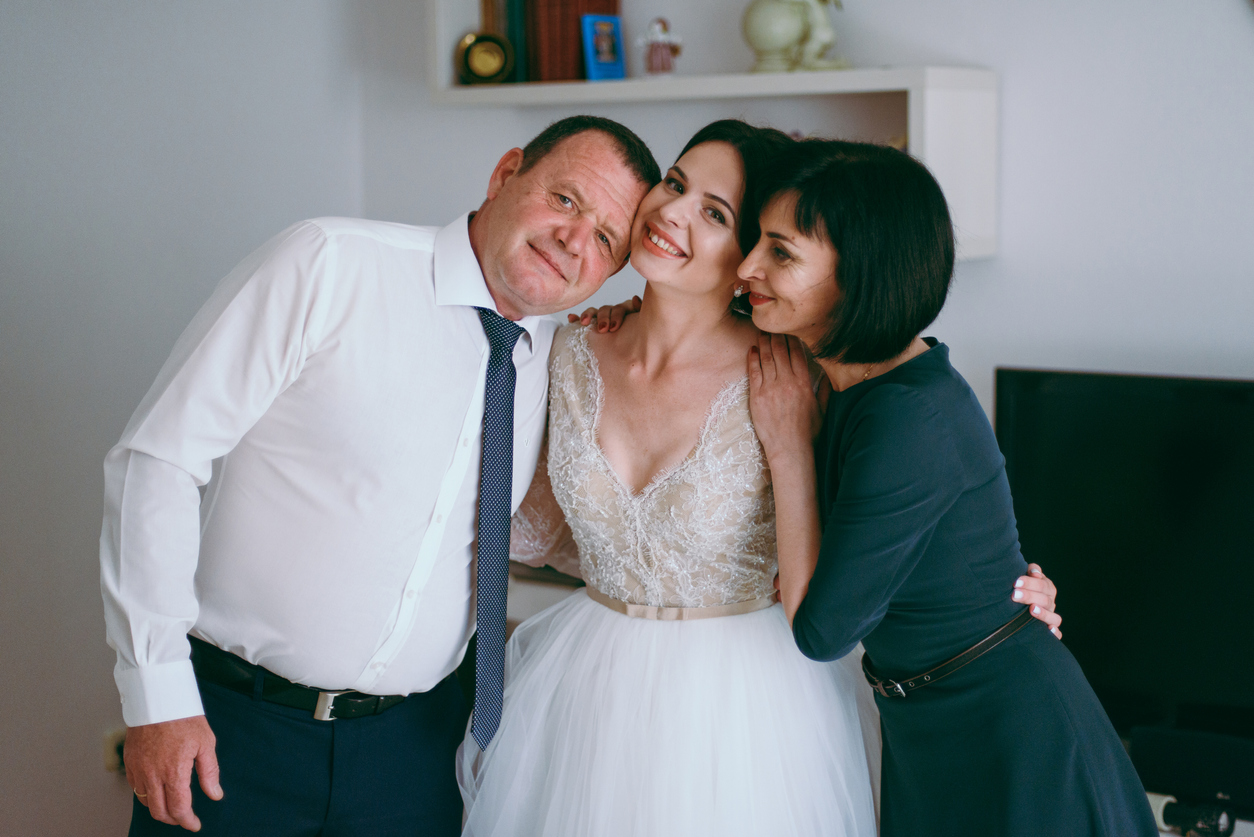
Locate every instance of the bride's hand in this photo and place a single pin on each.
(607, 317)
(1039, 593)
(781, 401)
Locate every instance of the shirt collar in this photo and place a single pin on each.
(459, 278)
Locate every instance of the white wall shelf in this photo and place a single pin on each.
(951, 113)
(731, 86)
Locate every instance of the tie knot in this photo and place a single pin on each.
(502, 333)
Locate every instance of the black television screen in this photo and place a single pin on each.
(1136, 495)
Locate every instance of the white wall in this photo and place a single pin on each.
(145, 147)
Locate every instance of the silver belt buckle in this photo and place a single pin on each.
(326, 701)
(888, 688)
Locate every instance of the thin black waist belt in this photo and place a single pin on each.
(225, 669)
(900, 688)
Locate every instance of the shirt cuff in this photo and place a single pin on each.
(153, 694)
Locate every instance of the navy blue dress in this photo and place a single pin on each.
(918, 561)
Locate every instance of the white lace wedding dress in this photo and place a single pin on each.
(617, 725)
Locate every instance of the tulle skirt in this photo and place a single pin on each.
(616, 726)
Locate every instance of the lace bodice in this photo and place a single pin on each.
(701, 534)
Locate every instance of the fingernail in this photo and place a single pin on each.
(1019, 583)
(1036, 609)
(1018, 595)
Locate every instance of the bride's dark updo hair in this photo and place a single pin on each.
(758, 149)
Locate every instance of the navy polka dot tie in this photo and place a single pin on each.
(496, 480)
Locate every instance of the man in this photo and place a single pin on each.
(369, 400)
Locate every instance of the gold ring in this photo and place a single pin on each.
(141, 795)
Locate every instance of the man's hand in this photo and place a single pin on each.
(159, 759)
(607, 317)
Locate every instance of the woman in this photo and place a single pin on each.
(668, 697)
(913, 539)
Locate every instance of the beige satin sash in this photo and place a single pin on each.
(672, 614)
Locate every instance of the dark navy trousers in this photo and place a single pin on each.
(285, 774)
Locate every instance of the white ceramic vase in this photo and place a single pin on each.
(776, 29)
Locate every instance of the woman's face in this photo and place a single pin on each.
(791, 278)
(684, 234)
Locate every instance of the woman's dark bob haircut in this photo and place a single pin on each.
(886, 216)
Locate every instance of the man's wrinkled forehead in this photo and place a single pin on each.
(590, 169)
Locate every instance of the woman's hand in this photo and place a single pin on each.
(1039, 593)
(607, 317)
(785, 416)
(782, 405)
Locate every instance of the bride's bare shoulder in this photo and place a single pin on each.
(604, 343)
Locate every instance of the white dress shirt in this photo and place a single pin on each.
(332, 387)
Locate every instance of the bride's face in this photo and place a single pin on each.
(684, 234)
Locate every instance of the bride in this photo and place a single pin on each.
(668, 696)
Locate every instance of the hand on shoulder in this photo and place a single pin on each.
(782, 400)
(607, 318)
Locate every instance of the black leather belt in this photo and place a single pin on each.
(225, 669)
(900, 688)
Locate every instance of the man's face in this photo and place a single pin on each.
(547, 238)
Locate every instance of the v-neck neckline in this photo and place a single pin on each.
(715, 411)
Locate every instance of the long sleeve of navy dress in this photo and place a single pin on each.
(918, 561)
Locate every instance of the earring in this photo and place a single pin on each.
(739, 291)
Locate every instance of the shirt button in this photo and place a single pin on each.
(410, 594)
(377, 666)
(465, 442)
(439, 518)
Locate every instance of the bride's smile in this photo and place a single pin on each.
(662, 242)
(685, 230)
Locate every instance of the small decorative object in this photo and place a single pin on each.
(661, 48)
(821, 38)
(791, 35)
(775, 29)
(602, 47)
(484, 58)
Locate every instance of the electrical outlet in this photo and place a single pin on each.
(113, 740)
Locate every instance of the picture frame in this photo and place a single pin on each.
(603, 57)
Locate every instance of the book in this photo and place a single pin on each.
(516, 32)
(555, 37)
(493, 17)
